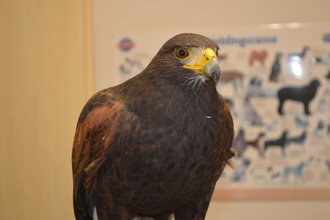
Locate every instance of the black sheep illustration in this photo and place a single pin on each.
(276, 68)
(302, 94)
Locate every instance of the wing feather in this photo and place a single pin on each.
(95, 129)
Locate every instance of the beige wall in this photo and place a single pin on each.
(43, 85)
(125, 17)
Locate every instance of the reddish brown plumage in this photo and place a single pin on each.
(153, 145)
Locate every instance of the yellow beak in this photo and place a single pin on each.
(201, 62)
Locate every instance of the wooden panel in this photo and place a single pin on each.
(44, 71)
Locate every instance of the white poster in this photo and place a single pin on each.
(276, 79)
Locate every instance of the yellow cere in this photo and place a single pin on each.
(201, 62)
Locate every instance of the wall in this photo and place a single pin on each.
(43, 85)
(45, 78)
(120, 17)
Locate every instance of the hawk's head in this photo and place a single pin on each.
(190, 56)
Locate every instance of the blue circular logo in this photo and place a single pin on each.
(126, 44)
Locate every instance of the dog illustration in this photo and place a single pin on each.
(275, 175)
(255, 89)
(301, 122)
(327, 163)
(322, 106)
(271, 125)
(302, 94)
(327, 76)
(234, 77)
(130, 65)
(276, 68)
(279, 142)
(320, 127)
(255, 143)
(250, 114)
(297, 171)
(257, 56)
(298, 56)
(300, 139)
(239, 142)
(240, 172)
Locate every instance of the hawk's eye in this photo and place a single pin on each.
(181, 53)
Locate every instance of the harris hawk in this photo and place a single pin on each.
(155, 145)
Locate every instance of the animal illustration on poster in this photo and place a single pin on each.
(284, 109)
(277, 84)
